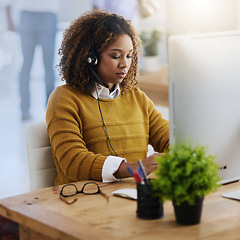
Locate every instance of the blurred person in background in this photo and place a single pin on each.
(5, 15)
(37, 26)
(127, 8)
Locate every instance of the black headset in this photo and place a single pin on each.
(92, 59)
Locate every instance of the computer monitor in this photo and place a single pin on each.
(204, 95)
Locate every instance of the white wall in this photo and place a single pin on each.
(191, 16)
(238, 14)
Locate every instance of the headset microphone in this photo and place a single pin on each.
(98, 78)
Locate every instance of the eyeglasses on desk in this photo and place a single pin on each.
(89, 188)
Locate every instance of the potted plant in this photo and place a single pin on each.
(150, 43)
(185, 175)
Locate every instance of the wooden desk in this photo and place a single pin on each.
(42, 215)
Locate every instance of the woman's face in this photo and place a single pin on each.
(116, 60)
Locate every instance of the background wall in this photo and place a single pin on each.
(187, 16)
(238, 14)
(198, 16)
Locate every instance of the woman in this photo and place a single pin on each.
(99, 122)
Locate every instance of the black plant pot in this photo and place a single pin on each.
(189, 214)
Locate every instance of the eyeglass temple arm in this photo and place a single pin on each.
(104, 195)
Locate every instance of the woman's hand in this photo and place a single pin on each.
(149, 165)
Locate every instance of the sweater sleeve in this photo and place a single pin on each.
(73, 160)
(158, 129)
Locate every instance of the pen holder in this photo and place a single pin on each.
(148, 206)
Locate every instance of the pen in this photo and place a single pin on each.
(130, 170)
(138, 178)
(140, 172)
(143, 172)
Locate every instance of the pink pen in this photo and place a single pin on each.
(138, 178)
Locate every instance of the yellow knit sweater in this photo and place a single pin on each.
(78, 138)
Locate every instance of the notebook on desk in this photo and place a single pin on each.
(130, 193)
(232, 195)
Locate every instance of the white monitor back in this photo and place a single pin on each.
(204, 95)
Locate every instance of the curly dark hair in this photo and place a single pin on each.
(101, 28)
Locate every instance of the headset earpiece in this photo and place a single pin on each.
(92, 60)
(92, 57)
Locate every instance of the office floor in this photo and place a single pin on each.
(14, 178)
